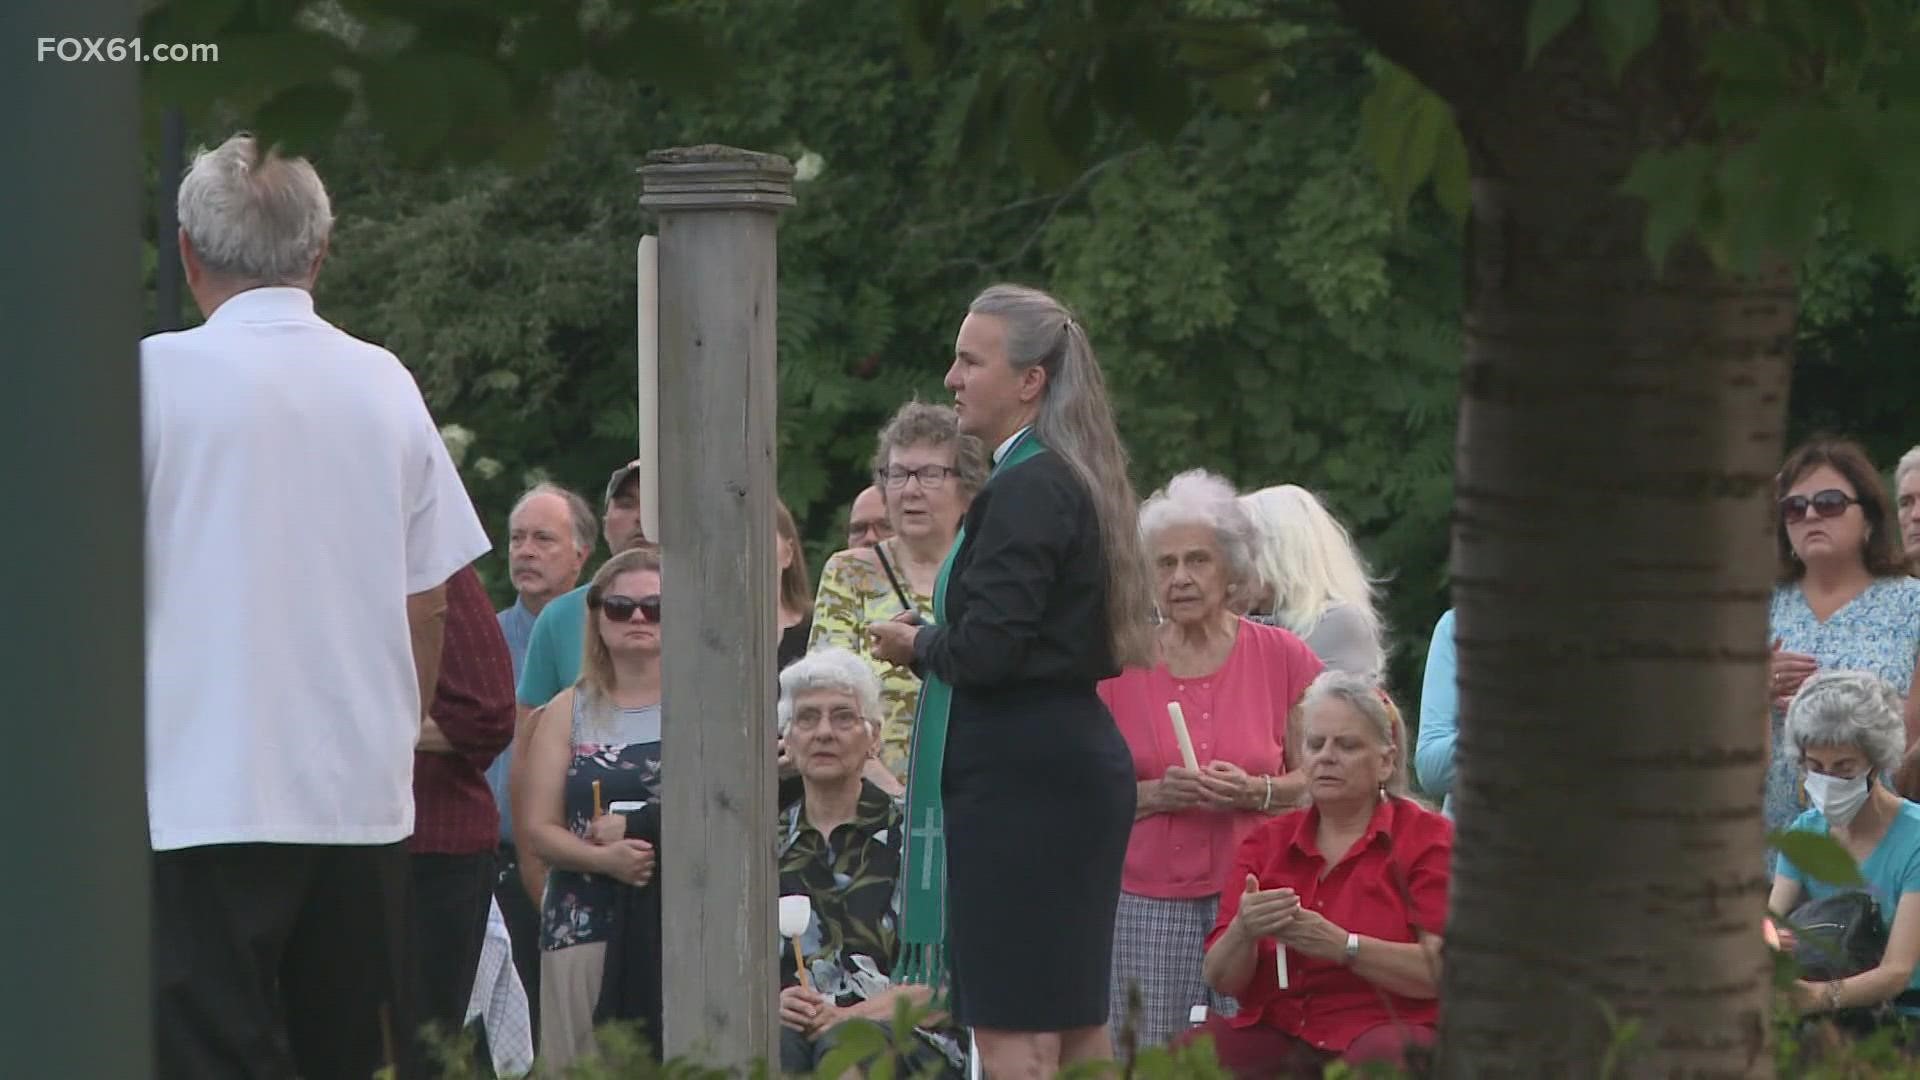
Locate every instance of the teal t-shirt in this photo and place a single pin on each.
(1892, 871)
(553, 649)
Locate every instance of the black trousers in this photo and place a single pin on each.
(273, 961)
(522, 915)
(450, 899)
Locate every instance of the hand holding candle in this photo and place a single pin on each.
(1180, 736)
(1279, 950)
(795, 913)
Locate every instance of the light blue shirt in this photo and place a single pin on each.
(1892, 871)
(516, 623)
(1439, 716)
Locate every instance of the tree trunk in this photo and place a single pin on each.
(1619, 430)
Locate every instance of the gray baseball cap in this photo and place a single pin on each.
(620, 476)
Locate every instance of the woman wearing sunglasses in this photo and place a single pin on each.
(576, 772)
(1844, 600)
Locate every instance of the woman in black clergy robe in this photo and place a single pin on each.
(1044, 594)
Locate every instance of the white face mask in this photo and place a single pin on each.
(1837, 800)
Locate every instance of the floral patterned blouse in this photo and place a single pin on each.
(852, 878)
(622, 752)
(853, 593)
(1877, 631)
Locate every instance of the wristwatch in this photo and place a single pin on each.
(1353, 949)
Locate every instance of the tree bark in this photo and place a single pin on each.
(1618, 433)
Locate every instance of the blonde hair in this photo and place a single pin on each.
(1308, 560)
(597, 678)
(1076, 422)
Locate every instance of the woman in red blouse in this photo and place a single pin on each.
(1236, 682)
(1354, 888)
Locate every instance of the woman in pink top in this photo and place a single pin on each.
(1236, 682)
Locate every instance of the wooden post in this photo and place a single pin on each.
(73, 804)
(717, 209)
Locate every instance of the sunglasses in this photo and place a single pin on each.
(621, 608)
(1830, 503)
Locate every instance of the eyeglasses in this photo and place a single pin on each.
(932, 477)
(621, 608)
(1830, 503)
(841, 719)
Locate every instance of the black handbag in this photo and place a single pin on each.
(1837, 936)
(630, 984)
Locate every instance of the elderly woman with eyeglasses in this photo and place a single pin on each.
(839, 845)
(1237, 683)
(1845, 730)
(928, 470)
(1844, 600)
(1350, 894)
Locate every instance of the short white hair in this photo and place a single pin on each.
(1365, 695)
(1909, 461)
(254, 216)
(1308, 559)
(1199, 497)
(1848, 708)
(831, 669)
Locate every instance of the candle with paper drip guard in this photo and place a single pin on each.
(1180, 736)
(795, 913)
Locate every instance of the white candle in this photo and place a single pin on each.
(1180, 736)
(649, 379)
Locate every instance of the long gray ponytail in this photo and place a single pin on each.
(1076, 422)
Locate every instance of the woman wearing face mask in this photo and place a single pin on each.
(1845, 729)
(1843, 601)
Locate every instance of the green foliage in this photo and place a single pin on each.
(1819, 855)
(1256, 308)
(462, 82)
(1411, 136)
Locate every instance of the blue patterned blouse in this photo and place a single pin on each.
(1877, 631)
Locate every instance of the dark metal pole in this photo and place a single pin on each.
(73, 806)
(166, 233)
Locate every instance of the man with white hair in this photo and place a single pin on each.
(839, 846)
(550, 537)
(303, 520)
(1906, 492)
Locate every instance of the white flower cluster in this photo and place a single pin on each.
(458, 439)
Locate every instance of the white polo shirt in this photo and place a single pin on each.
(297, 493)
